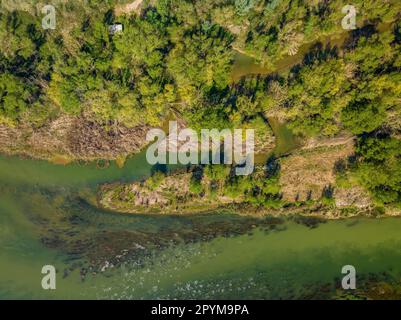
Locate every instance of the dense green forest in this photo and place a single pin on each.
(177, 56)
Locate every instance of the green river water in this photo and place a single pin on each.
(46, 217)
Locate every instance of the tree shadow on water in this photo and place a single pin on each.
(158, 168)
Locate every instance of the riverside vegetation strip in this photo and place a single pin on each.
(77, 92)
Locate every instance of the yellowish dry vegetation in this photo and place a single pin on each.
(306, 173)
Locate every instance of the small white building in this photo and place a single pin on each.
(116, 28)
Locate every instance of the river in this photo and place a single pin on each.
(46, 217)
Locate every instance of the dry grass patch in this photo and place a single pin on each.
(72, 137)
(135, 6)
(305, 174)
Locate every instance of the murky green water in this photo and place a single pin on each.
(43, 173)
(286, 141)
(46, 217)
(245, 65)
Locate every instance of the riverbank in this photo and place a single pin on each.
(177, 194)
(308, 213)
(306, 174)
(301, 180)
(77, 138)
(69, 138)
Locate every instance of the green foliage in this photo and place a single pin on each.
(14, 98)
(363, 117)
(19, 35)
(355, 91)
(378, 150)
(317, 96)
(200, 62)
(327, 198)
(283, 26)
(178, 56)
(195, 186)
(164, 58)
(379, 169)
(261, 188)
(155, 180)
(217, 174)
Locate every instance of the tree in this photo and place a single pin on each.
(379, 168)
(14, 98)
